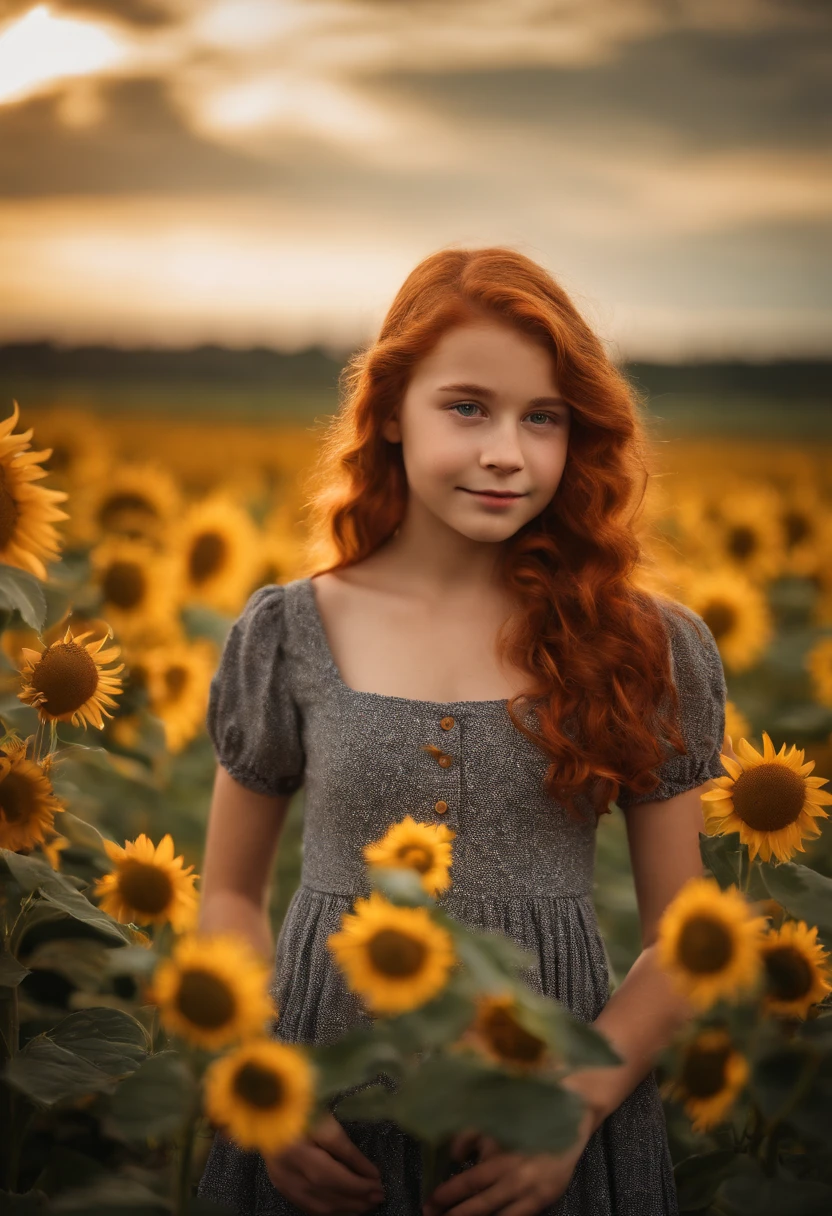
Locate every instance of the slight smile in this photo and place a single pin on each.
(497, 494)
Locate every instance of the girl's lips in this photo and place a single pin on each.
(491, 493)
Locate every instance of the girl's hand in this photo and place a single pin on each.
(513, 1184)
(324, 1173)
(728, 750)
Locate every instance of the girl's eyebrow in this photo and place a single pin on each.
(479, 390)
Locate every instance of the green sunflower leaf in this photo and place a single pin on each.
(22, 592)
(804, 893)
(153, 1101)
(31, 874)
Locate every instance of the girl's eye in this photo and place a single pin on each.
(537, 413)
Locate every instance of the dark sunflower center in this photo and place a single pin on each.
(205, 999)
(145, 886)
(705, 944)
(206, 557)
(396, 954)
(510, 1040)
(176, 678)
(258, 1086)
(742, 541)
(124, 585)
(67, 675)
(720, 618)
(797, 527)
(703, 1072)
(8, 511)
(788, 974)
(17, 803)
(112, 511)
(416, 856)
(769, 797)
(138, 675)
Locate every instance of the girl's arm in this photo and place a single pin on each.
(243, 833)
(645, 1012)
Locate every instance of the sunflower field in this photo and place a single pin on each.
(127, 1036)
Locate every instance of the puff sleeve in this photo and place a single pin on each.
(700, 681)
(252, 720)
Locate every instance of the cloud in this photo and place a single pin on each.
(271, 169)
(241, 270)
(141, 144)
(690, 90)
(144, 14)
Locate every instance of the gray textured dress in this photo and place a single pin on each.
(280, 716)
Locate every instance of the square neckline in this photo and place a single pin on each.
(378, 696)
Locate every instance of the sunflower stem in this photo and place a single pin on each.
(773, 1130)
(9, 1043)
(38, 743)
(757, 1131)
(436, 1160)
(182, 1193)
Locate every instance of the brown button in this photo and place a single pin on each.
(447, 723)
(444, 761)
(440, 807)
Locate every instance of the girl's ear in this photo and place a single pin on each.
(391, 430)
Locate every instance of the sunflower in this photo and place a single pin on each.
(498, 1032)
(261, 1093)
(148, 885)
(423, 847)
(137, 585)
(395, 958)
(125, 731)
(709, 942)
(138, 500)
(79, 451)
(805, 524)
(12, 641)
(796, 969)
(27, 801)
(769, 799)
(217, 547)
(690, 517)
(711, 1076)
(279, 559)
(67, 682)
(748, 535)
(735, 610)
(178, 682)
(27, 512)
(213, 990)
(819, 666)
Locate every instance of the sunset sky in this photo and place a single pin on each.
(268, 171)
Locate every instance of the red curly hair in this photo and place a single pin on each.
(594, 644)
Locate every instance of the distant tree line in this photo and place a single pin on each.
(316, 368)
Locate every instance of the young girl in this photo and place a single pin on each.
(474, 651)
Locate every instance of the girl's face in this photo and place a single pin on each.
(482, 412)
